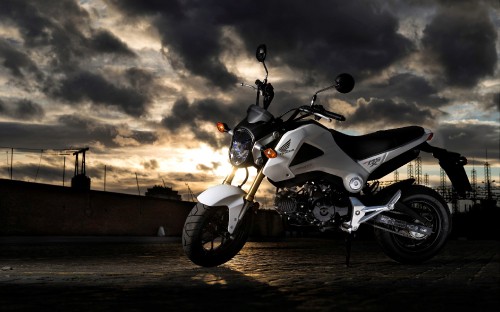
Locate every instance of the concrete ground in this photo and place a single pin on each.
(296, 274)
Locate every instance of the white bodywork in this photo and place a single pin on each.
(225, 195)
(334, 161)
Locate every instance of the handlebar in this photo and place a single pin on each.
(267, 91)
(320, 111)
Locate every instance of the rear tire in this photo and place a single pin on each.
(428, 204)
(205, 238)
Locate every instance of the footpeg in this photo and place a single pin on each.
(362, 213)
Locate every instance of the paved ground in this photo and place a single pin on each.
(291, 275)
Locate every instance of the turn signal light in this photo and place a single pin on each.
(430, 136)
(270, 153)
(222, 127)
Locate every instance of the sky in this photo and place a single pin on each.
(142, 83)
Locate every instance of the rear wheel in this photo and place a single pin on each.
(205, 238)
(406, 246)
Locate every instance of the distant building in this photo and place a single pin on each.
(465, 205)
(163, 192)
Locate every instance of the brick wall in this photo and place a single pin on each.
(40, 209)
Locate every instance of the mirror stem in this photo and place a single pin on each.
(267, 73)
(313, 99)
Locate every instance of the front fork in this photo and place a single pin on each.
(248, 198)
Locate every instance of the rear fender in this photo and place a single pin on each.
(453, 164)
(225, 195)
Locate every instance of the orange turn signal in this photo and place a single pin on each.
(270, 153)
(222, 127)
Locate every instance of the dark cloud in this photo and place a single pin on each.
(70, 131)
(88, 86)
(408, 88)
(191, 116)
(42, 24)
(210, 168)
(105, 42)
(194, 46)
(471, 140)
(203, 167)
(461, 38)
(64, 28)
(22, 109)
(190, 34)
(39, 173)
(379, 113)
(28, 110)
(327, 36)
(68, 41)
(16, 61)
(87, 130)
(152, 164)
(140, 79)
(495, 103)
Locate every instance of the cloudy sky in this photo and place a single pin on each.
(143, 82)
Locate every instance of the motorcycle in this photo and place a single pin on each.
(325, 179)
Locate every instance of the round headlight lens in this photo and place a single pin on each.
(241, 147)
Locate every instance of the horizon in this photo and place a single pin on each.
(40, 175)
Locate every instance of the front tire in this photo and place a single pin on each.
(205, 238)
(417, 248)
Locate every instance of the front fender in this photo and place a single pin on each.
(225, 195)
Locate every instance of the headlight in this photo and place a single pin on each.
(240, 147)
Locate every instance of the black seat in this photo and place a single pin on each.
(364, 146)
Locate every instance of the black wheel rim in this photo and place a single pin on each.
(214, 235)
(420, 242)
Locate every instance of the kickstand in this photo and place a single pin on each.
(348, 243)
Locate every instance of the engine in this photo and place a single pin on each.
(313, 204)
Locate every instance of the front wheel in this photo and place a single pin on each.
(205, 238)
(411, 247)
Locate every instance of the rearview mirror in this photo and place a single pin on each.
(344, 83)
(261, 53)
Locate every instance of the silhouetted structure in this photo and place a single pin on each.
(80, 180)
(163, 192)
(418, 170)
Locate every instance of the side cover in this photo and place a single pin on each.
(329, 157)
(325, 155)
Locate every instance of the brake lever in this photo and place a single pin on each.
(327, 114)
(241, 84)
(306, 109)
(323, 116)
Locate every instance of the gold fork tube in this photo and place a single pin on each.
(230, 177)
(255, 186)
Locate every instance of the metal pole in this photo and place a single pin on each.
(64, 169)
(104, 178)
(137, 180)
(11, 160)
(8, 166)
